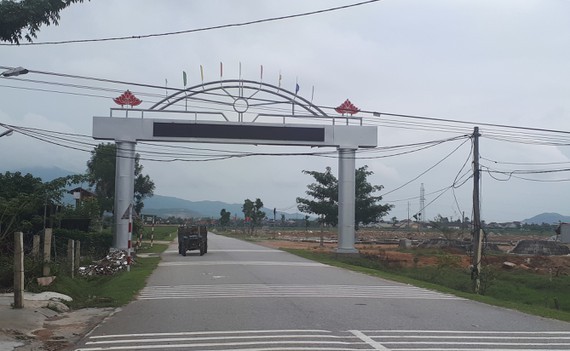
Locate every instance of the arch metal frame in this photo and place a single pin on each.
(127, 131)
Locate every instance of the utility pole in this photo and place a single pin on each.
(476, 239)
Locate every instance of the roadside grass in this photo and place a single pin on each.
(531, 293)
(113, 290)
(241, 235)
(160, 232)
(108, 291)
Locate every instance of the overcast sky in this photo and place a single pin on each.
(481, 62)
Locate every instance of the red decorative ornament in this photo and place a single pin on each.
(347, 107)
(127, 98)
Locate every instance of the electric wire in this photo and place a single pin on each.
(427, 170)
(204, 29)
(504, 133)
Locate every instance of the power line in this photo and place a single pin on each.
(427, 170)
(204, 29)
(518, 134)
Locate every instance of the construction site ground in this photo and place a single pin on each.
(385, 246)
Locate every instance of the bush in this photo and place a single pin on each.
(93, 244)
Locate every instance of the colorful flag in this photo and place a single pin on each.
(202, 73)
(262, 73)
(221, 70)
(184, 77)
(297, 88)
(279, 85)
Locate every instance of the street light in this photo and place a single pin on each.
(16, 71)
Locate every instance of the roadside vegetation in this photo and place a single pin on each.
(105, 290)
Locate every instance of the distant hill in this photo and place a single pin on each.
(166, 206)
(163, 206)
(549, 218)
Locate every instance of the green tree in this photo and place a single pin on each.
(324, 202)
(28, 15)
(26, 202)
(325, 197)
(253, 214)
(101, 174)
(224, 218)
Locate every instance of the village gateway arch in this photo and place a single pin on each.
(236, 112)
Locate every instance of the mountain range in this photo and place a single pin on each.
(166, 206)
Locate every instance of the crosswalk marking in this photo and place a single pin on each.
(216, 291)
(243, 263)
(368, 340)
(427, 340)
(257, 340)
(351, 340)
(237, 250)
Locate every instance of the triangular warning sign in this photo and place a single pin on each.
(126, 214)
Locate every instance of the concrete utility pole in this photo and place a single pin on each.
(124, 192)
(476, 240)
(18, 270)
(346, 200)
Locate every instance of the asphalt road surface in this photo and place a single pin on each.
(242, 296)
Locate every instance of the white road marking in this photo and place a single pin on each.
(429, 340)
(225, 345)
(317, 340)
(276, 291)
(252, 340)
(212, 338)
(237, 250)
(242, 263)
(232, 332)
(500, 332)
(368, 340)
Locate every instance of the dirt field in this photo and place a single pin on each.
(385, 247)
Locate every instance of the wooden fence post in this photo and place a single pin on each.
(19, 270)
(47, 251)
(36, 246)
(70, 256)
(77, 254)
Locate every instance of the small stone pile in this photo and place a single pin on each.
(114, 262)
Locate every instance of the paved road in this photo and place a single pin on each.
(242, 296)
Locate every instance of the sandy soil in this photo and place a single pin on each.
(391, 254)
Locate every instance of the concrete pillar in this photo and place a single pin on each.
(124, 192)
(346, 200)
(36, 246)
(47, 252)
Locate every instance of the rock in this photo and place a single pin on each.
(57, 306)
(405, 243)
(45, 281)
(509, 265)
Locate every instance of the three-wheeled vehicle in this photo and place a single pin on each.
(192, 238)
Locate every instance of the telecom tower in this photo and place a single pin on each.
(422, 211)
